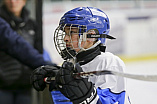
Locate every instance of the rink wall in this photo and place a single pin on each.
(134, 24)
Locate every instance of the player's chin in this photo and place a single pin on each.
(72, 48)
(67, 46)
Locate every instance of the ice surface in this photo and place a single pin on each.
(142, 92)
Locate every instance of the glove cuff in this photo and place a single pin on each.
(88, 98)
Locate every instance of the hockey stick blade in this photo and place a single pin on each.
(152, 78)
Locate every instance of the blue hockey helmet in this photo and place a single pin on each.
(86, 19)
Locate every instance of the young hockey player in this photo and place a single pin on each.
(80, 39)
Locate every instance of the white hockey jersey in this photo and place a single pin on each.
(111, 89)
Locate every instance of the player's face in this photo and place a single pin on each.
(72, 38)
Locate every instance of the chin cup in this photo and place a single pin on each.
(68, 53)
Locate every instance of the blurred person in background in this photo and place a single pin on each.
(15, 85)
(16, 46)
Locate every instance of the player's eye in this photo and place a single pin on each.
(72, 32)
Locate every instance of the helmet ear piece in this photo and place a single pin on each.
(92, 32)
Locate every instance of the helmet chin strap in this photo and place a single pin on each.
(83, 49)
(93, 46)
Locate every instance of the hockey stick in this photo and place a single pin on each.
(152, 78)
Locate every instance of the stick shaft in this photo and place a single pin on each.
(152, 78)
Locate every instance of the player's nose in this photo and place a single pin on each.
(66, 38)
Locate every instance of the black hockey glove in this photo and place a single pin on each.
(77, 90)
(38, 75)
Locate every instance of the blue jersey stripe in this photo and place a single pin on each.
(106, 96)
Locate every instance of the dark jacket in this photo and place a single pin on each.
(17, 47)
(14, 72)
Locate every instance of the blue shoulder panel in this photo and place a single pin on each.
(108, 97)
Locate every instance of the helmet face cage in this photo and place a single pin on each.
(60, 43)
